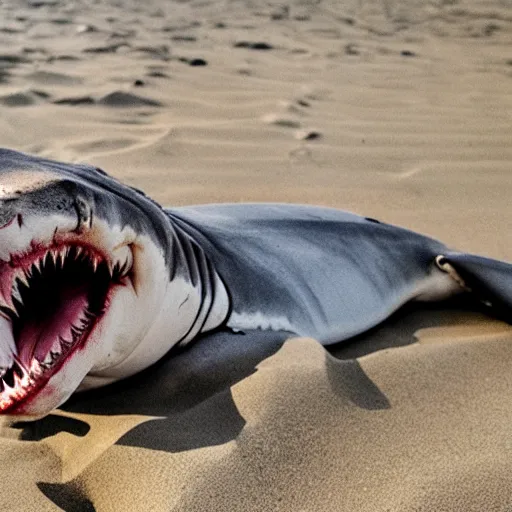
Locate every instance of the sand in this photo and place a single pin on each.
(399, 110)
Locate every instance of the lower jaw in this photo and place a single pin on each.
(31, 388)
(34, 381)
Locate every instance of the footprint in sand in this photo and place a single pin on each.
(110, 48)
(308, 135)
(184, 39)
(154, 52)
(298, 107)
(65, 57)
(11, 29)
(85, 29)
(193, 62)
(197, 62)
(288, 119)
(35, 4)
(259, 45)
(11, 60)
(127, 99)
(157, 74)
(281, 121)
(52, 78)
(23, 98)
(118, 99)
(77, 100)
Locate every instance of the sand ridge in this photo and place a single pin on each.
(399, 110)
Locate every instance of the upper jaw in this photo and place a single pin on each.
(22, 267)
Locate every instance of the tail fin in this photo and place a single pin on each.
(490, 280)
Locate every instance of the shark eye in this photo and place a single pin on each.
(56, 300)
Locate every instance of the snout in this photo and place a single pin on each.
(38, 217)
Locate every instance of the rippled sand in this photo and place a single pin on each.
(399, 110)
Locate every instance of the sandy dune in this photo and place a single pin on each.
(400, 110)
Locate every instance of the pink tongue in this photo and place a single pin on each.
(38, 335)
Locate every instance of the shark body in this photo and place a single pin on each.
(98, 281)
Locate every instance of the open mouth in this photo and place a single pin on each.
(50, 302)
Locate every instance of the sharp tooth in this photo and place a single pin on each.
(48, 360)
(64, 344)
(89, 315)
(61, 256)
(55, 257)
(56, 347)
(6, 386)
(79, 251)
(16, 293)
(18, 381)
(35, 374)
(36, 369)
(8, 312)
(38, 265)
(20, 366)
(94, 263)
(44, 367)
(8, 308)
(22, 277)
(127, 265)
(129, 262)
(14, 288)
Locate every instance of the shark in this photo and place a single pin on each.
(98, 281)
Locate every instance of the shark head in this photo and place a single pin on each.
(84, 275)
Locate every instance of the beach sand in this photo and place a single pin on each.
(398, 110)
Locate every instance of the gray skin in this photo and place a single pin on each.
(330, 273)
(306, 270)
